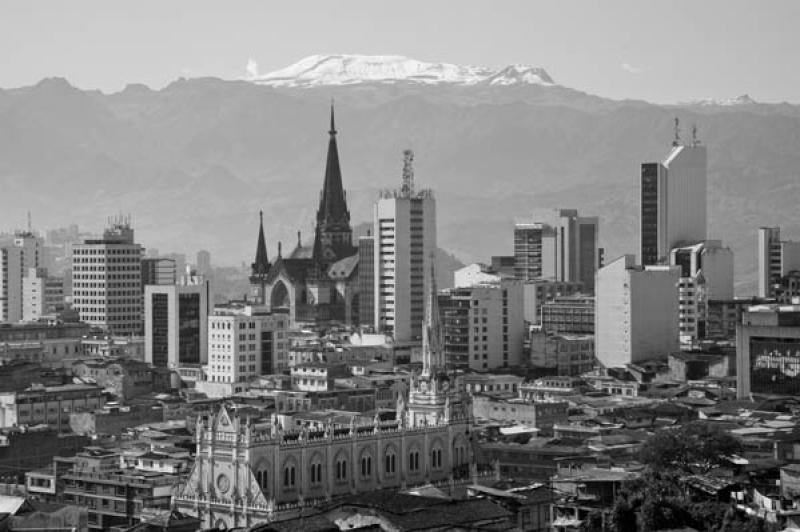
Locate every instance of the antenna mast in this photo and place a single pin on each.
(677, 141)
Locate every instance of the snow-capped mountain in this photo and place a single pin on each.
(744, 99)
(318, 70)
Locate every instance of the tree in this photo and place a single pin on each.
(696, 445)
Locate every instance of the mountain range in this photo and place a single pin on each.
(195, 161)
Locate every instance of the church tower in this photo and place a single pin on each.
(260, 268)
(333, 239)
(434, 397)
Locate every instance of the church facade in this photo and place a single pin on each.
(248, 471)
(315, 283)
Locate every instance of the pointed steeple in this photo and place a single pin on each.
(333, 237)
(432, 344)
(261, 265)
(332, 203)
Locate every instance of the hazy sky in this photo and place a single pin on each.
(654, 50)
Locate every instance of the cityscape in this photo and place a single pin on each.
(275, 309)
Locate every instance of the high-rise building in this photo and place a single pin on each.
(483, 325)
(203, 263)
(11, 273)
(637, 312)
(159, 271)
(243, 343)
(533, 241)
(176, 323)
(42, 295)
(577, 248)
(107, 280)
(564, 248)
(405, 243)
(768, 351)
(776, 259)
(31, 246)
(706, 274)
(673, 201)
(366, 280)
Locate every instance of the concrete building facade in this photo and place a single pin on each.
(484, 325)
(673, 201)
(405, 243)
(706, 270)
(107, 281)
(176, 323)
(637, 312)
(776, 259)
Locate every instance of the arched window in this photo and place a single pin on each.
(413, 461)
(288, 477)
(341, 469)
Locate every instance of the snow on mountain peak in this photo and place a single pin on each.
(744, 99)
(319, 70)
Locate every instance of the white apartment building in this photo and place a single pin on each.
(42, 295)
(244, 343)
(706, 271)
(405, 243)
(636, 317)
(483, 325)
(107, 281)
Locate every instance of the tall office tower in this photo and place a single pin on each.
(405, 243)
(483, 325)
(776, 258)
(673, 200)
(11, 273)
(366, 280)
(203, 262)
(31, 246)
(533, 242)
(244, 343)
(42, 295)
(159, 272)
(576, 251)
(706, 271)
(176, 322)
(107, 280)
(637, 312)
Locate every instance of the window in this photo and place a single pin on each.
(366, 467)
(413, 461)
(316, 473)
(390, 466)
(288, 477)
(341, 469)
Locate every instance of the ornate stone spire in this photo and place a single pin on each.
(432, 344)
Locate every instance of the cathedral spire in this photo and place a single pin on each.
(333, 236)
(432, 344)
(332, 203)
(261, 264)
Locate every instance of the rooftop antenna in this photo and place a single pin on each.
(408, 173)
(677, 141)
(29, 221)
(695, 140)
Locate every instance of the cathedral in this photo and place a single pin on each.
(316, 283)
(249, 471)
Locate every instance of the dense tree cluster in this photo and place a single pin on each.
(658, 501)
